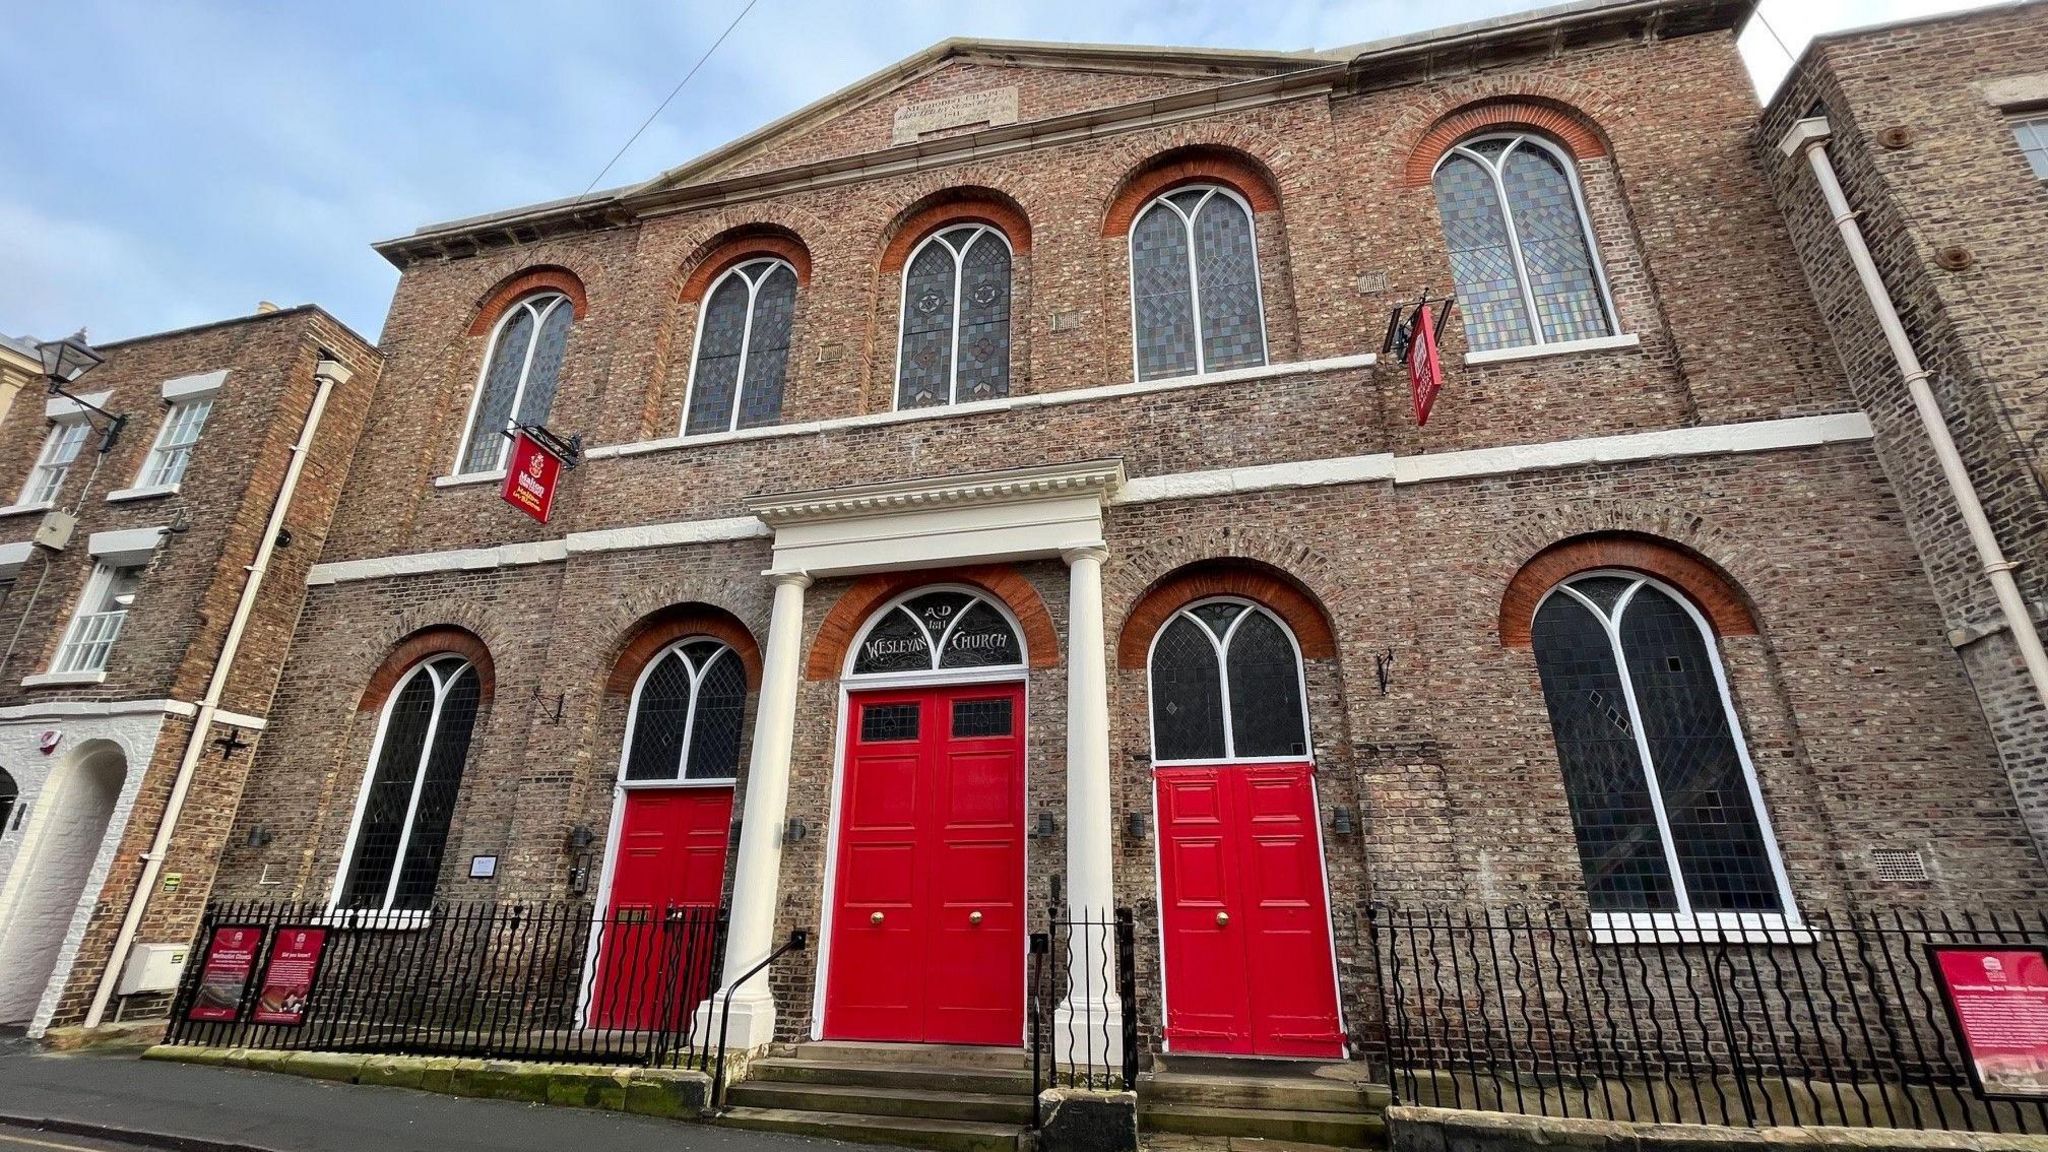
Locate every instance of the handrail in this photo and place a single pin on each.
(798, 940)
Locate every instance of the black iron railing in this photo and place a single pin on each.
(1083, 1001)
(541, 981)
(1838, 1020)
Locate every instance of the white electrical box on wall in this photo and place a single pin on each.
(55, 530)
(153, 968)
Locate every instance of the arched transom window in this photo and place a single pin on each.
(1195, 303)
(955, 342)
(519, 378)
(938, 630)
(1664, 800)
(401, 828)
(742, 354)
(1522, 252)
(686, 718)
(1227, 685)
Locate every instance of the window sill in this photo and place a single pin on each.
(1698, 928)
(145, 493)
(469, 478)
(1560, 348)
(56, 679)
(20, 509)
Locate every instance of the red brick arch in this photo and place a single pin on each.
(439, 640)
(1711, 591)
(1246, 579)
(653, 633)
(520, 285)
(1567, 126)
(1198, 165)
(856, 604)
(746, 246)
(958, 206)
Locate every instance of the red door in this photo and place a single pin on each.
(928, 917)
(1246, 925)
(670, 854)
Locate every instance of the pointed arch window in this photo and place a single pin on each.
(519, 378)
(686, 718)
(955, 339)
(1666, 807)
(408, 799)
(1195, 303)
(742, 354)
(938, 630)
(1227, 684)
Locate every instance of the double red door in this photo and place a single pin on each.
(653, 969)
(1245, 922)
(928, 894)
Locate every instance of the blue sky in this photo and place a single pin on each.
(170, 163)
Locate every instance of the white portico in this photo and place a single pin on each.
(990, 517)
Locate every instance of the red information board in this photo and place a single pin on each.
(1998, 1000)
(530, 477)
(1425, 370)
(289, 974)
(224, 974)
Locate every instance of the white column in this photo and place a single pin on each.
(757, 873)
(1087, 1024)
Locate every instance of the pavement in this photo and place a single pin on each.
(88, 1102)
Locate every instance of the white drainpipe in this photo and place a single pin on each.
(327, 375)
(1811, 136)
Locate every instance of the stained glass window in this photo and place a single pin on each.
(408, 802)
(519, 378)
(1521, 250)
(1226, 685)
(1195, 303)
(955, 339)
(687, 715)
(937, 630)
(1662, 795)
(742, 349)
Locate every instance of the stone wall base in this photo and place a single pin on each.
(1079, 1121)
(137, 1034)
(1413, 1129)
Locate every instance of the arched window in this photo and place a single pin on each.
(955, 343)
(938, 630)
(519, 378)
(742, 352)
(1227, 685)
(408, 799)
(687, 707)
(1520, 244)
(1665, 803)
(1195, 303)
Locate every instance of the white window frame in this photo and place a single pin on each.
(959, 254)
(48, 474)
(767, 264)
(167, 461)
(1187, 223)
(542, 305)
(2031, 133)
(384, 915)
(1684, 925)
(1222, 649)
(1500, 191)
(89, 614)
(680, 779)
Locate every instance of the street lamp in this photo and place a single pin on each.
(64, 361)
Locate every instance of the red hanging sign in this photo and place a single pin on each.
(224, 976)
(1998, 1001)
(1425, 371)
(530, 477)
(289, 975)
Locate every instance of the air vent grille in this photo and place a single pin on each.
(1899, 865)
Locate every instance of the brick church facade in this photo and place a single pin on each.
(993, 493)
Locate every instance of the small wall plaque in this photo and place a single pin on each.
(483, 867)
(991, 106)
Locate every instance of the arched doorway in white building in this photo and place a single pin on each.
(62, 837)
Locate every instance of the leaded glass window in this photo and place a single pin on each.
(519, 378)
(1227, 685)
(686, 715)
(408, 801)
(955, 341)
(1522, 253)
(938, 630)
(742, 349)
(1665, 804)
(2032, 134)
(1195, 303)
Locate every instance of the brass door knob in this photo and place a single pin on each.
(1222, 919)
(875, 919)
(974, 917)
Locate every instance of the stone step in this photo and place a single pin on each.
(913, 1132)
(928, 1055)
(938, 1105)
(1274, 1093)
(1341, 1129)
(911, 1077)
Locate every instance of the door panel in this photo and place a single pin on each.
(1206, 979)
(671, 853)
